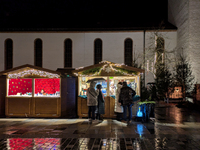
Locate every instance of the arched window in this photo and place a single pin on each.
(160, 51)
(97, 51)
(128, 52)
(8, 54)
(68, 53)
(38, 53)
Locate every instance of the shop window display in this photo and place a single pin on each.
(47, 87)
(113, 81)
(84, 86)
(43, 87)
(20, 87)
(131, 83)
(104, 87)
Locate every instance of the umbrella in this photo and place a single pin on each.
(96, 79)
(136, 98)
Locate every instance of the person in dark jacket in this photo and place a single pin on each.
(126, 100)
(100, 107)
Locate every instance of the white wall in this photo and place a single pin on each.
(185, 15)
(82, 47)
(178, 15)
(194, 37)
(170, 40)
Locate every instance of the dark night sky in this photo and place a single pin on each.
(80, 13)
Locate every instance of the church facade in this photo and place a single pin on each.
(115, 46)
(184, 15)
(54, 49)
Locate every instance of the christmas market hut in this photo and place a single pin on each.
(32, 91)
(112, 73)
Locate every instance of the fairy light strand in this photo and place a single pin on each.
(33, 72)
(107, 64)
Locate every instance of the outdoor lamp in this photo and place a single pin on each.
(139, 113)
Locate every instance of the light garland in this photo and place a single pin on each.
(103, 62)
(79, 68)
(33, 72)
(122, 71)
(104, 68)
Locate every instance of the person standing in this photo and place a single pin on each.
(92, 101)
(100, 107)
(118, 108)
(112, 88)
(126, 100)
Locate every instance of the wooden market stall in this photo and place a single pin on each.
(112, 73)
(37, 92)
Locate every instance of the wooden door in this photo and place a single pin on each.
(68, 97)
(18, 106)
(2, 95)
(112, 107)
(107, 107)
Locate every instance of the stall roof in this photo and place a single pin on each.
(27, 67)
(102, 63)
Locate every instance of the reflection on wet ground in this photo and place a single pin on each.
(172, 129)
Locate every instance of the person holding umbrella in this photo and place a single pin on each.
(92, 101)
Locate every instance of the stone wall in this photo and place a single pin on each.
(194, 37)
(185, 15)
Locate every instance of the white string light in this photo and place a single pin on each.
(103, 68)
(33, 72)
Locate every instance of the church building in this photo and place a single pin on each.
(74, 47)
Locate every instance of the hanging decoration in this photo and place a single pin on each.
(108, 69)
(33, 73)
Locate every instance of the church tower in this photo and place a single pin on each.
(185, 15)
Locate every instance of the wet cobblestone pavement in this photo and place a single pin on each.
(172, 129)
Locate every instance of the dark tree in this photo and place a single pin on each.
(183, 76)
(163, 81)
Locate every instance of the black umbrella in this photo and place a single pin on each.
(96, 79)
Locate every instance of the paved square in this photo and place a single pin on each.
(172, 129)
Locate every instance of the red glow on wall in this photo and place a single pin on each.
(50, 86)
(19, 143)
(19, 86)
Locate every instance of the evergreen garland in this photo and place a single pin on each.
(120, 70)
(91, 71)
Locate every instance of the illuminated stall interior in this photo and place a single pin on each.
(33, 92)
(112, 73)
(109, 86)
